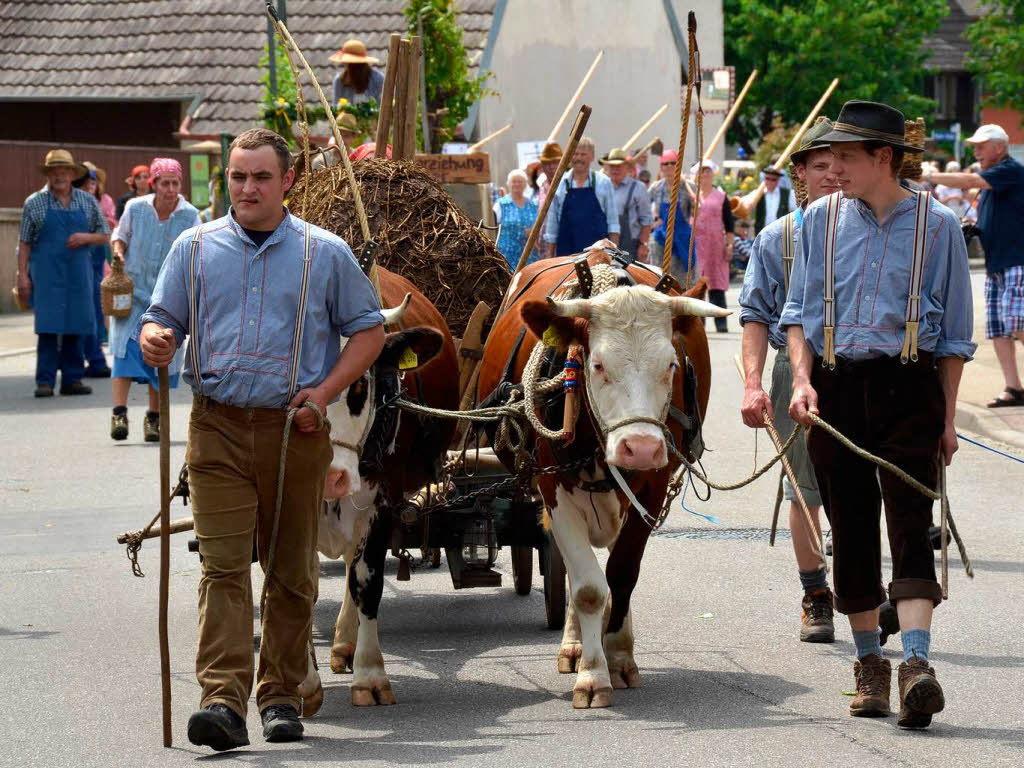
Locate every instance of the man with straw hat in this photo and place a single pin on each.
(765, 284)
(879, 320)
(264, 298)
(631, 203)
(359, 81)
(59, 224)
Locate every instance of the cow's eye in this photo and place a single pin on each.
(598, 368)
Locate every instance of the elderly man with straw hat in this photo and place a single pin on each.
(359, 81)
(879, 319)
(631, 203)
(59, 224)
(765, 285)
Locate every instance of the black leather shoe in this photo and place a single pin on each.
(44, 391)
(75, 388)
(217, 726)
(96, 372)
(281, 723)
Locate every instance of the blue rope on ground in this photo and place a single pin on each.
(682, 502)
(990, 448)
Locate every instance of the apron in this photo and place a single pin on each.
(680, 234)
(583, 222)
(627, 242)
(62, 282)
(515, 229)
(710, 241)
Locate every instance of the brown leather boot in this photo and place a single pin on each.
(920, 694)
(874, 678)
(816, 624)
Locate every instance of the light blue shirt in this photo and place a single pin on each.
(604, 190)
(872, 279)
(247, 302)
(764, 283)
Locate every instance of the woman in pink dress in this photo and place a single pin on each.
(714, 225)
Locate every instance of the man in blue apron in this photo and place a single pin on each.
(583, 210)
(59, 226)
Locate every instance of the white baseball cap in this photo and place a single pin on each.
(988, 132)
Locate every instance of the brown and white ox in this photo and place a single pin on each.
(631, 339)
(381, 454)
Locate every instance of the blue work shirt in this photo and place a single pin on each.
(1000, 213)
(872, 279)
(604, 191)
(247, 301)
(764, 283)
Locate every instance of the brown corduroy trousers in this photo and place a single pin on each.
(233, 456)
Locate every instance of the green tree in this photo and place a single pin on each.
(997, 52)
(451, 89)
(874, 47)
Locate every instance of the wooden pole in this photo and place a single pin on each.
(487, 138)
(165, 549)
(398, 134)
(574, 138)
(643, 128)
(730, 117)
(742, 206)
(412, 96)
(575, 97)
(423, 83)
(387, 96)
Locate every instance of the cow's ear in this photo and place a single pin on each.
(553, 330)
(410, 349)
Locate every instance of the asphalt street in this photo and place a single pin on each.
(716, 614)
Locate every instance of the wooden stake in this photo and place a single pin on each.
(412, 96)
(387, 96)
(640, 132)
(730, 117)
(165, 549)
(476, 147)
(401, 102)
(575, 96)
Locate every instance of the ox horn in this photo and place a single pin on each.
(394, 316)
(570, 308)
(686, 305)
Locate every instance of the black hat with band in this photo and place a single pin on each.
(870, 121)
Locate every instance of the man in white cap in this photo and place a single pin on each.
(1000, 211)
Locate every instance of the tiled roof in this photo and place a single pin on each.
(948, 45)
(176, 49)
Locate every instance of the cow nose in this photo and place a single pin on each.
(640, 452)
(337, 484)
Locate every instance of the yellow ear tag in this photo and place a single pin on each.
(552, 338)
(408, 360)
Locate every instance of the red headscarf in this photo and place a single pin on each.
(164, 166)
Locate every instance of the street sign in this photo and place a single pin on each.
(457, 169)
(943, 136)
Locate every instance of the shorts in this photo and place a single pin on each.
(1004, 302)
(781, 394)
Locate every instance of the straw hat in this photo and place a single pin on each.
(616, 156)
(101, 175)
(352, 52)
(61, 158)
(347, 122)
(551, 153)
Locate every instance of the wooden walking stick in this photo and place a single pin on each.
(165, 548)
(643, 128)
(575, 97)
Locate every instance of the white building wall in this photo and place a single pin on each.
(544, 47)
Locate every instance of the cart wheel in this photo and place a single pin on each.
(554, 585)
(522, 569)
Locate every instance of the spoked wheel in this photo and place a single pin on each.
(522, 569)
(554, 584)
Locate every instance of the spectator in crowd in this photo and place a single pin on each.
(741, 246)
(138, 185)
(954, 197)
(515, 214)
(661, 200)
(776, 201)
(645, 177)
(583, 210)
(632, 204)
(96, 364)
(532, 185)
(142, 241)
(549, 158)
(714, 234)
(58, 225)
(1000, 213)
(359, 81)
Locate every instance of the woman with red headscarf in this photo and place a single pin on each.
(143, 238)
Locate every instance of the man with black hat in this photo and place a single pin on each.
(776, 201)
(631, 203)
(58, 226)
(879, 321)
(765, 284)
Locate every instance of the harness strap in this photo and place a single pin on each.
(300, 316)
(193, 310)
(788, 248)
(833, 205)
(913, 314)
